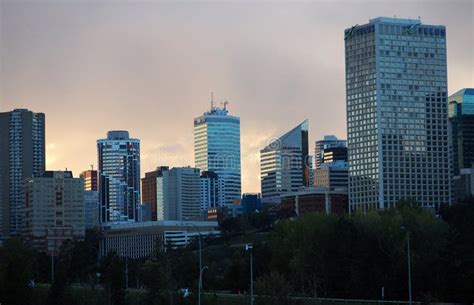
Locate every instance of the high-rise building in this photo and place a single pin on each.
(119, 177)
(397, 120)
(54, 210)
(461, 119)
(211, 191)
(217, 149)
(91, 209)
(22, 155)
(284, 165)
(150, 184)
(90, 180)
(320, 146)
(183, 193)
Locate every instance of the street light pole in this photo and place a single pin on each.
(409, 267)
(410, 300)
(250, 248)
(200, 264)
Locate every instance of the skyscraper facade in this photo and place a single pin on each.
(211, 191)
(54, 210)
(284, 165)
(90, 180)
(329, 141)
(397, 121)
(461, 118)
(184, 193)
(119, 177)
(150, 194)
(22, 155)
(217, 148)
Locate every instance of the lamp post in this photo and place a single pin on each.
(200, 264)
(408, 265)
(250, 248)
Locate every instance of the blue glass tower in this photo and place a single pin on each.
(461, 118)
(119, 177)
(217, 149)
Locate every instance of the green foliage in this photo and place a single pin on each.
(17, 266)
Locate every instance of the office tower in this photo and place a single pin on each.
(333, 169)
(183, 194)
(397, 120)
(211, 191)
(329, 141)
(217, 148)
(54, 210)
(90, 180)
(91, 209)
(152, 181)
(119, 177)
(284, 165)
(22, 155)
(461, 119)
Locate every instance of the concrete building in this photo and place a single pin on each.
(54, 210)
(140, 240)
(308, 200)
(332, 177)
(284, 163)
(217, 148)
(184, 188)
(461, 119)
(119, 177)
(22, 155)
(90, 180)
(397, 120)
(211, 191)
(152, 181)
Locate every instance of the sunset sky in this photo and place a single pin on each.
(149, 67)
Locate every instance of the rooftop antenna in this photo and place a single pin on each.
(92, 167)
(212, 100)
(225, 104)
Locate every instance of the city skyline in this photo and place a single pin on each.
(78, 69)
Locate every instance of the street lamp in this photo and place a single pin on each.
(200, 263)
(250, 248)
(409, 265)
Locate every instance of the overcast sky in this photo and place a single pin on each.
(149, 67)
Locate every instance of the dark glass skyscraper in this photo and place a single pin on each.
(119, 177)
(397, 121)
(22, 156)
(461, 118)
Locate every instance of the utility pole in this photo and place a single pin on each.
(250, 248)
(52, 267)
(410, 299)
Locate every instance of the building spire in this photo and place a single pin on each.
(212, 100)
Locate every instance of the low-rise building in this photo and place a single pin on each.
(315, 199)
(142, 239)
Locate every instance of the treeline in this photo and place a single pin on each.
(320, 256)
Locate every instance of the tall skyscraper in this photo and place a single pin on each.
(461, 118)
(22, 155)
(90, 180)
(284, 165)
(54, 210)
(217, 148)
(119, 177)
(397, 120)
(329, 141)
